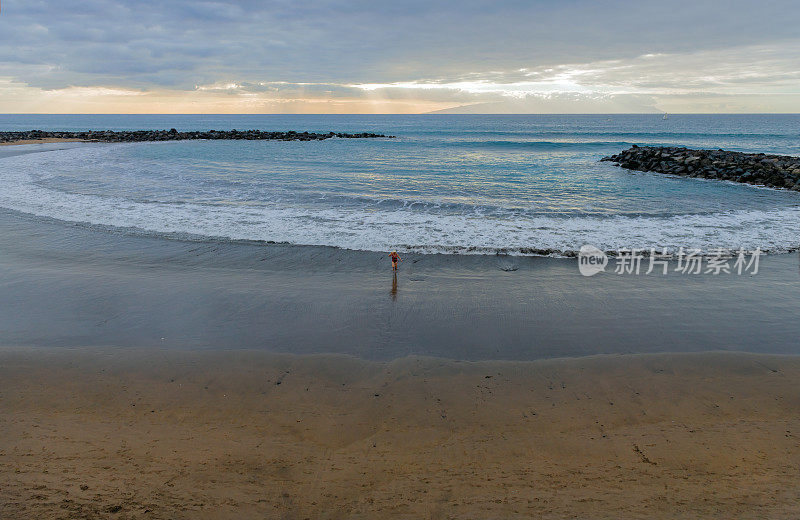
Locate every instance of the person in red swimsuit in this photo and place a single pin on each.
(395, 258)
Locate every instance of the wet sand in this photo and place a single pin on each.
(111, 433)
(66, 285)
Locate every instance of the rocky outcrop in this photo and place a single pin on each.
(775, 171)
(109, 136)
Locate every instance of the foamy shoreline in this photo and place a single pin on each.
(111, 190)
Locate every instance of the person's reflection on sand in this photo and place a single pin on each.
(394, 285)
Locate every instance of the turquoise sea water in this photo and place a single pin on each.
(457, 184)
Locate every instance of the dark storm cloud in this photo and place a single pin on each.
(180, 44)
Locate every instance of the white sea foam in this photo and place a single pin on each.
(403, 228)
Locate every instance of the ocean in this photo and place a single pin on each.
(522, 185)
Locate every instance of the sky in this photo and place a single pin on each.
(282, 56)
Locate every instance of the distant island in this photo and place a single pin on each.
(110, 136)
(774, 171)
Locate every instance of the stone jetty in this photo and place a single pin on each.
(774, 171)
(109, 136)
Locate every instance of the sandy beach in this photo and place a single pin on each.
(48, 140)
(102, 433)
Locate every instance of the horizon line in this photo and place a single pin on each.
(434, 113)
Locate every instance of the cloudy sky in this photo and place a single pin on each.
(292, 56)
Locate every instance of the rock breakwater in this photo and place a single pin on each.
(774, 171)
(110, 136)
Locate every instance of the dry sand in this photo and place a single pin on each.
(43, 141)
(174, 435)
